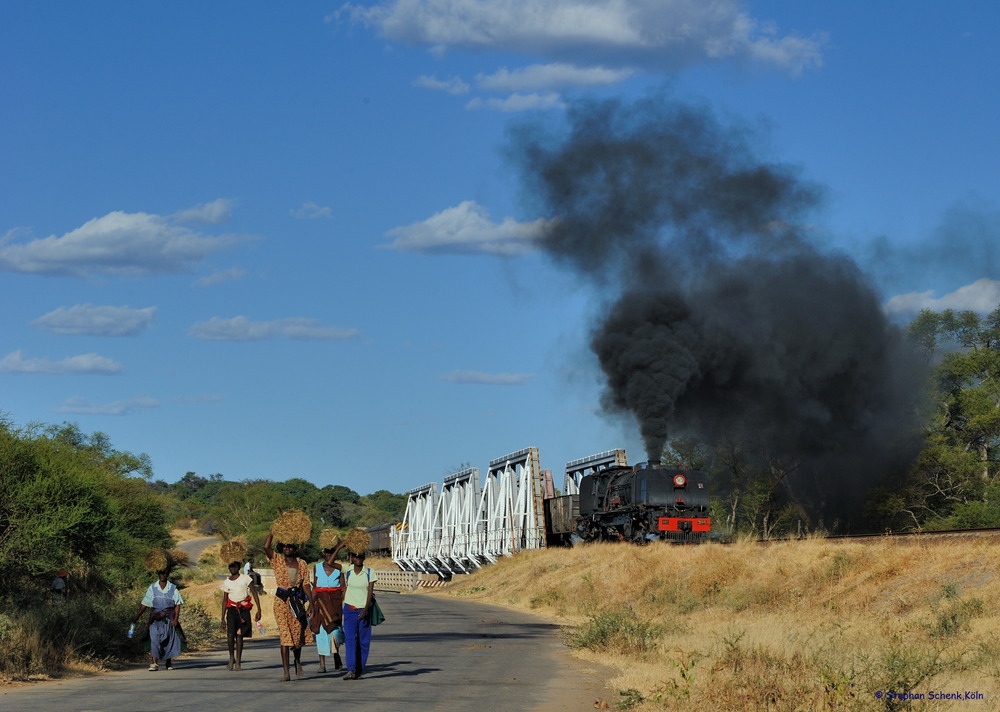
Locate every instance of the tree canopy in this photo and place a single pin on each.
(70, 500)
(954, 481)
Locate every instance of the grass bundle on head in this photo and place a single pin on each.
(158, 560)
(178, 557)
(292, 527)
(357, 541)
(329, 538)
(233, 550)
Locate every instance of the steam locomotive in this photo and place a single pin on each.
(637, 504)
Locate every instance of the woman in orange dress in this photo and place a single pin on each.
(291, 575)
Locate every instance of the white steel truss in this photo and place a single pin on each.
(419, 532)
(468, 524)
(457, 512)
(576, 469)
(511, 511)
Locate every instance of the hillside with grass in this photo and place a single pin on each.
(806, 625)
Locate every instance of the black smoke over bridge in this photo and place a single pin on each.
(723, 316)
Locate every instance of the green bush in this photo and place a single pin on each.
(616, 630)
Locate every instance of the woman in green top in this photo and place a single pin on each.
(360, 584)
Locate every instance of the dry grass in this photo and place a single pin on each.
(809, 625)
(329, 538)
(233, 550)
(357, 540)
(157, 560)
(292, 527)
(185, 530)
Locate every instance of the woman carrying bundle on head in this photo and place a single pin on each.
(238, 597)
(359, 587)
(164, 602)
(291, 575)
(326, 606)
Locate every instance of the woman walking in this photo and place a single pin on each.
(291, 574)
(360, 585)
(238, 597)
(164, 603)
(326, 607)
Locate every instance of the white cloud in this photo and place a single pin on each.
(467, 229)
(981, 296)
(84, 407)
(239, 328)
(218, 211)
(452, 85)
(487, 379)
(117, 244)
(550, 76)
(227, 275)
(310, 211)
(659, 35)
(15, 362)
(518, 102)
(96, 321)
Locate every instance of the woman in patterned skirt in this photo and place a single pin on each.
(291, 574)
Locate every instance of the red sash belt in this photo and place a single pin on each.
(245, 603)
(327, 588)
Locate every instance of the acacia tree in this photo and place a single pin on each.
(954, 481)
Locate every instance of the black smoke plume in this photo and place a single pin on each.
(723, 316)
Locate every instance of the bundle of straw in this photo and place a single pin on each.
(233, 550)
(157, 560)
(178, 557)
(357, 541)
(329, 538)
(292, 527)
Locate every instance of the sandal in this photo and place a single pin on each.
(153, 667)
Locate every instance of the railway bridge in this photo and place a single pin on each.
(469, 521)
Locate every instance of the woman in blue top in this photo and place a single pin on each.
(164, 603)
(325, 606)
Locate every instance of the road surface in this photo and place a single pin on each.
(432, 653)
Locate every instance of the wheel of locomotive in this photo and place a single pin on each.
(639, 536)
(586, 530)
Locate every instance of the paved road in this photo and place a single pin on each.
(432, 653)
(194, 547)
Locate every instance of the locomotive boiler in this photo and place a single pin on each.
(637, 504)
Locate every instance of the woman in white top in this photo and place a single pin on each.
(238, 597)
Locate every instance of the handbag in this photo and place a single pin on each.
(295, 599)
(375, 615)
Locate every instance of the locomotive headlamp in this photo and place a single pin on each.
(680, 480)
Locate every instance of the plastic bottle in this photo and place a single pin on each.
(131, 630)
(260, 628)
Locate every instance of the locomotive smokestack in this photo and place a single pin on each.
(721, 317)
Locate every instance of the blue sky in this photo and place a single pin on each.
(284, 241)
